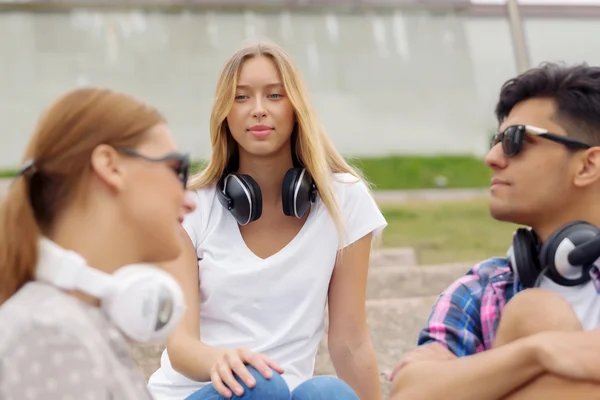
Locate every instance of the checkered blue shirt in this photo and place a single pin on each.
(466, 315)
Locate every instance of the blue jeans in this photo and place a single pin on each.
(317, 388)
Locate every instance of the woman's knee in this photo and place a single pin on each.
(535, 310)
(324, 388)
(273, 388)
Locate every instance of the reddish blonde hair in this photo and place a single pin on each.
(61, 147)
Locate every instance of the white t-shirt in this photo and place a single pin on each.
(583, 298)
(275, 305)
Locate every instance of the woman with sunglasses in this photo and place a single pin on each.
(284, 226)
(99, 199)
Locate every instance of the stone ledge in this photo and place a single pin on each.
(394, 256)
(391, 282)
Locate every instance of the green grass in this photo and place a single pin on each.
(7, 173)
(443, 232)
(409, 172)
(418, 172)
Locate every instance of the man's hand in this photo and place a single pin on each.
(426, 352)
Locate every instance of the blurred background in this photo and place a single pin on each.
(416, 77)
(406, 88)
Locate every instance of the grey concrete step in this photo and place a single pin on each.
(392, 197)
(394, 326)
(389, 282)
(394, 256)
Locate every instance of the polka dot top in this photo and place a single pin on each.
(55, 347)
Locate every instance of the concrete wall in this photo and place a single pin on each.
(391, 81)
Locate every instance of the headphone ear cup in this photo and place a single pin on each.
(555, 252)
(524, 258)
(255, 196)
(242, 198)
(144, 302)
(296, 192)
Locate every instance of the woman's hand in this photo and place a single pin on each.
(233, 362)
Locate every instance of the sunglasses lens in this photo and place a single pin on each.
(497, 138)
(512, 141)
(184, 171)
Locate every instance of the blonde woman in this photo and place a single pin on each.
(283, 226)
(101, 193)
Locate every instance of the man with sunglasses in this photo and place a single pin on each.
(490, 336)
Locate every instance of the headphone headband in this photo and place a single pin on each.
(68, 270)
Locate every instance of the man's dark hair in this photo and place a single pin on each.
(575, 89)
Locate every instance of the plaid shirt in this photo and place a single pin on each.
(466, 315)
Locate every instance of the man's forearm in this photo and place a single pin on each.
(552, 387)
(358, 367)
(489, 375)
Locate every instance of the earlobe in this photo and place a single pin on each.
(106, 166)
(588, 171)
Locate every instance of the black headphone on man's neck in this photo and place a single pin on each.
(241, 194)
(566, 257)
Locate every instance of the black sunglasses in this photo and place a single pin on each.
(512, 139)
(181, 168)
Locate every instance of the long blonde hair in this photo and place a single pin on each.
(313, 147)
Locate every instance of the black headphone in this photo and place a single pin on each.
(566, 257)
(241, 195)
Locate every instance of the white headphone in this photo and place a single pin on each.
(143, 301)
